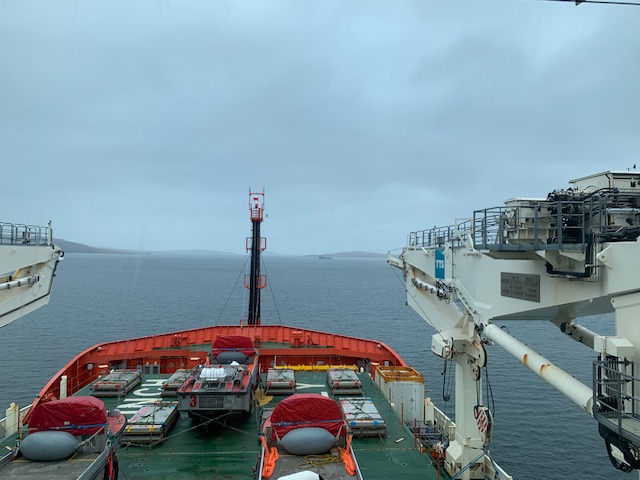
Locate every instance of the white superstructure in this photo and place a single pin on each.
(28, 261)
(571, 254)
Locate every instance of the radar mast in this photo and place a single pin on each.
(256, 245)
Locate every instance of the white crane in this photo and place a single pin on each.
(571, 254)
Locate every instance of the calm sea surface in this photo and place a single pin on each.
(538, 433)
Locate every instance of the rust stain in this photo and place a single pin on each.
(525, 359)
(543, 367)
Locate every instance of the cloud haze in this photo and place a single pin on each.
(143, 124)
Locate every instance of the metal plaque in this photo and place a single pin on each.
(520, 285)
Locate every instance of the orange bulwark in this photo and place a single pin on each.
(165, 354)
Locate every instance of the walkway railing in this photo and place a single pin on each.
(18, 234)
(550, 224)
(615, 398)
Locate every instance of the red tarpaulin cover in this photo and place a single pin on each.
(307, 410)
(76, 415)
(233, 343)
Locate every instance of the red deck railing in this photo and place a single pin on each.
(188, 348)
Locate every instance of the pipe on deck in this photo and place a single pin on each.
(19, 282)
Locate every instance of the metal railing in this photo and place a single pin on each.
(551, 224)
(536, 226)
(438, 237)
(18, 234)
(615, 403)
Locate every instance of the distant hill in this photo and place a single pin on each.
(73, 247)
(199, 252)
(351, 255)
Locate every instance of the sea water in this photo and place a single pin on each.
(96, 298)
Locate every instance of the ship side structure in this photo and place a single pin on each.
(28, 261)
(571, 254)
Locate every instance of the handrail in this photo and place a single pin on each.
(549, 224)
(438, 237)
(614, 395)
(21, 234)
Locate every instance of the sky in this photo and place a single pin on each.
(144, 124)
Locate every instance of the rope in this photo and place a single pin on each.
(158, 442)
(271, 291)
(84, 442)
(489, 390)
(359, 408)
(232, 290)
(495, 467)
(305, 422)
(318, 461)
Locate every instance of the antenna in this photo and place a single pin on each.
(256, 244)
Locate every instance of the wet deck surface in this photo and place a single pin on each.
(23, 469)
(228, 447)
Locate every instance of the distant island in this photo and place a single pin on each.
(74, 247)
(328, 256)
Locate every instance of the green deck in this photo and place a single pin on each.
(231, 451)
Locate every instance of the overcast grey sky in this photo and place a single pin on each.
(142, 124)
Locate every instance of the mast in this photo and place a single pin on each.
(256, 244)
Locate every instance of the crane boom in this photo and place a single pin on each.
(573, 253)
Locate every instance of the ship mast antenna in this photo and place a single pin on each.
(256, 245)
